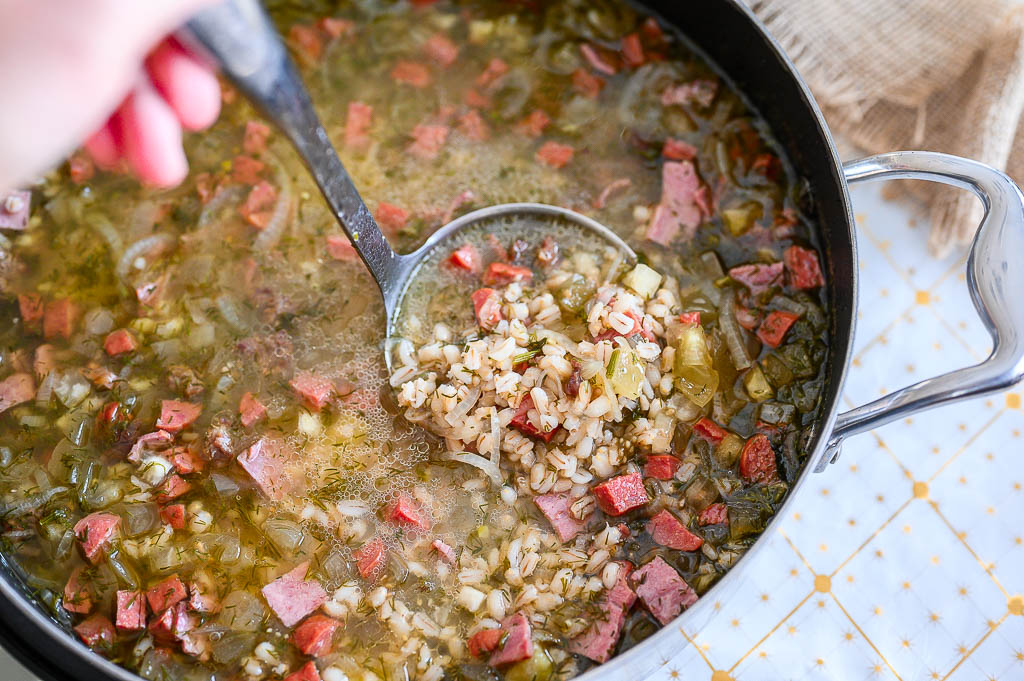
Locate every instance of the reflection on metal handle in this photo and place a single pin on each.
(240, 38)
(995, 277)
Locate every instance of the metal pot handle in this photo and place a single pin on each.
(995, 282)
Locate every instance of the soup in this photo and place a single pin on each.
(207, 471)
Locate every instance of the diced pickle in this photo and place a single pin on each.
(776, 371)
(757, 385)
(575, 293)
(701, 492)
(738, 220)
(728, 451)
(626, 373)
(536, 668)
(695, 376)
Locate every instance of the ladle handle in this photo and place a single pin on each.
(241, 39)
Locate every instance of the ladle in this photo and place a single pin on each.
(240, 38)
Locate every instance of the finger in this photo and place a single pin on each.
(151, 137)
(103, 146)
(189, 87)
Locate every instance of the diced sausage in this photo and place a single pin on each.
(334, 27)
(700, 92)
(460, 199)
(632, 50)
(44, 361)
(255, 139)
(77, 594)
(15, 389)
(465, 257)
(484, 641)
(709, 430)
(516, 645)
(598, 641)
(534, 123)
(407, 513)
(306, 40)
(314, 390)
(340, 248)
(665, 529)
(292, 597)
(59, 319)
(522, 422)
(757, 461)
(14, 210)
(804, 268)
(661, 466)
(30, 307)
(265, 462)
(173, 623)
(357, 125)
(487, 307)
(247, 170)
(446, 552)
(747, 318)
(411, 73)
(369, 556)
(131, 611)
(496, 68)
(587, 84)
(774, 327)
(690, 318)
(307, 672)
(501, 274)
(95, 532)
(662, 591)
(313, 636)
(621, 494)
(475, 99)
(473, 127)
(678, 150)
(173, 515)
(186, 461)
(715, 514)
(201, 600)
(96, 631)
(555, 508)
(390, 217)
(166, 594)
(176, 415)
(259, 204)
(428, 140)
(679, 209)
(150, 442)
(119, 342)
(554, 154)
(251, 410)
(440, 49)
(758, 277)
(81, 168)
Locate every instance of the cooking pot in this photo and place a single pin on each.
(731, 37)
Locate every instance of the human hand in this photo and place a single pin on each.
(103, 72)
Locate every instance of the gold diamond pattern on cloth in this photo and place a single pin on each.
(905, 560)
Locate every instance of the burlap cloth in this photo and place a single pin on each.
(943, 75)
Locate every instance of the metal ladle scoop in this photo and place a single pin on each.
(240, 38)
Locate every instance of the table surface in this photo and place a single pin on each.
(906, 559)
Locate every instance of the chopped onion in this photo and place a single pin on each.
(98, 321)
(462, 408)
(733, 335)
(224, 485)
(489, 468)
(495, 437)
(231, 314)
(590, 368)
(352, 508)
(241, 611)
(285, 534)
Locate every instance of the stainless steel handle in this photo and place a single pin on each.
(995, 278)
(240, 38)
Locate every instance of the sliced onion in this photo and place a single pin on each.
(150, 245)
(31, 503)
(562, 340)
(489, 468)
(224, 485)
(733, 335)
(219, 201)
(232, 315)
(462, 408)
(271, 234)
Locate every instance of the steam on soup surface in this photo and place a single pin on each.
(205, 469)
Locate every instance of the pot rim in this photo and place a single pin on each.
(635, 662)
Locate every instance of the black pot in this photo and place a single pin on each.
(731, 38)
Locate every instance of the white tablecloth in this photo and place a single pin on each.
(906, 559)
